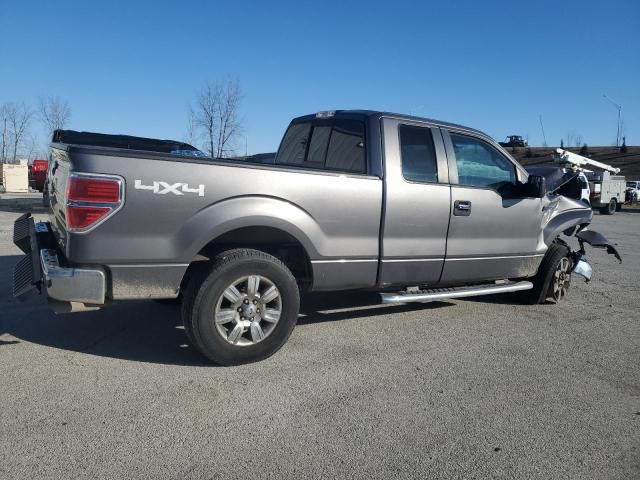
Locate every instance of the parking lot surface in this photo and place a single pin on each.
(458, 389)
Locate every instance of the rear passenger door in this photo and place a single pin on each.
(417, 204)
(491, 236)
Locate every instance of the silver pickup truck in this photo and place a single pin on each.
(416, 209)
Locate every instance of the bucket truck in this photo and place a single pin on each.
(607, 188)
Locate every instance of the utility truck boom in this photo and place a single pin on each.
(579, 161)
(607, 189)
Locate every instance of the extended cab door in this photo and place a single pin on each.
(491, 236)
(417, 204)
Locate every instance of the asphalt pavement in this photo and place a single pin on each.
(482, 388)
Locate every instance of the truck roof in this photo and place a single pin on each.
(380, 114)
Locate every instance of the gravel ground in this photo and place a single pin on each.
(460, 389)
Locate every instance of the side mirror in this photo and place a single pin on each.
(535, 186)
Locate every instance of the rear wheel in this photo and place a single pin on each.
(611, 207)
(242, 308)
(553, 280)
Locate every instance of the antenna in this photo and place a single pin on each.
(543, 135)
(619, 107)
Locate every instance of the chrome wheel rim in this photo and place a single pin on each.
(248, 310)
(561, 280)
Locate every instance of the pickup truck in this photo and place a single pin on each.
(37, 174)
(413, 208)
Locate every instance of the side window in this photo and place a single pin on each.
(418, 154)
(479, 164)
(294, 145)
(346, 147)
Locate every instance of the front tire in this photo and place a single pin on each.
(553, 280)
(241, 308)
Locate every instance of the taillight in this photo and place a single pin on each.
(91, 199)
(92, 189)
(83, 217)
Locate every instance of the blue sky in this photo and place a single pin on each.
(133, 66)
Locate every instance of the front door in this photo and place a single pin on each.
(490, 237)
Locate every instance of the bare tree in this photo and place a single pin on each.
(216, 113)
(16, 119)
(54, 113)
(4, 128)
(578, 141)
(192, 128)
(570, 138)
(34, 147)
(228, 120)
(205, 115)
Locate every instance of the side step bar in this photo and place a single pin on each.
(456, 292)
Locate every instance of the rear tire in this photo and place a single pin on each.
(553, 278)
(611, 207)
(241, 308)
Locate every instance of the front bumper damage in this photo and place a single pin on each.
(581, 265)
(69, 287)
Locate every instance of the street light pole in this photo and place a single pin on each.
(619, 118)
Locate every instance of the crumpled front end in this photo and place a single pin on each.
(568, 216)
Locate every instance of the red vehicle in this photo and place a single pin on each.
(38, 173)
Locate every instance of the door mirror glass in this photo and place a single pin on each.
(535, 187)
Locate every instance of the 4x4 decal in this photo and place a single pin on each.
(162, 188)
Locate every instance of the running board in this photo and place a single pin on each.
(456, 292)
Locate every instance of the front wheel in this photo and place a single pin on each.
(553, 280)
(242, 308)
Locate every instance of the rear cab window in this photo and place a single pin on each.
(336, 144)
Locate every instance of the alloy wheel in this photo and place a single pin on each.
(248, 310)
(561, 280)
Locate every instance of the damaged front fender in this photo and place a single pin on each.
(561, 214)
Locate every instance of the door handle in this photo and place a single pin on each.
(462, 208)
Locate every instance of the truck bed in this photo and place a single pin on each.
(165, 222)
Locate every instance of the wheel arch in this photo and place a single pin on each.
(565, 221)
(275, 226)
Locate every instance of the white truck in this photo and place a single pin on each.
(607, 188)
(633, 191)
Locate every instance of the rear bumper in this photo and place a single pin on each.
(70, 286)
